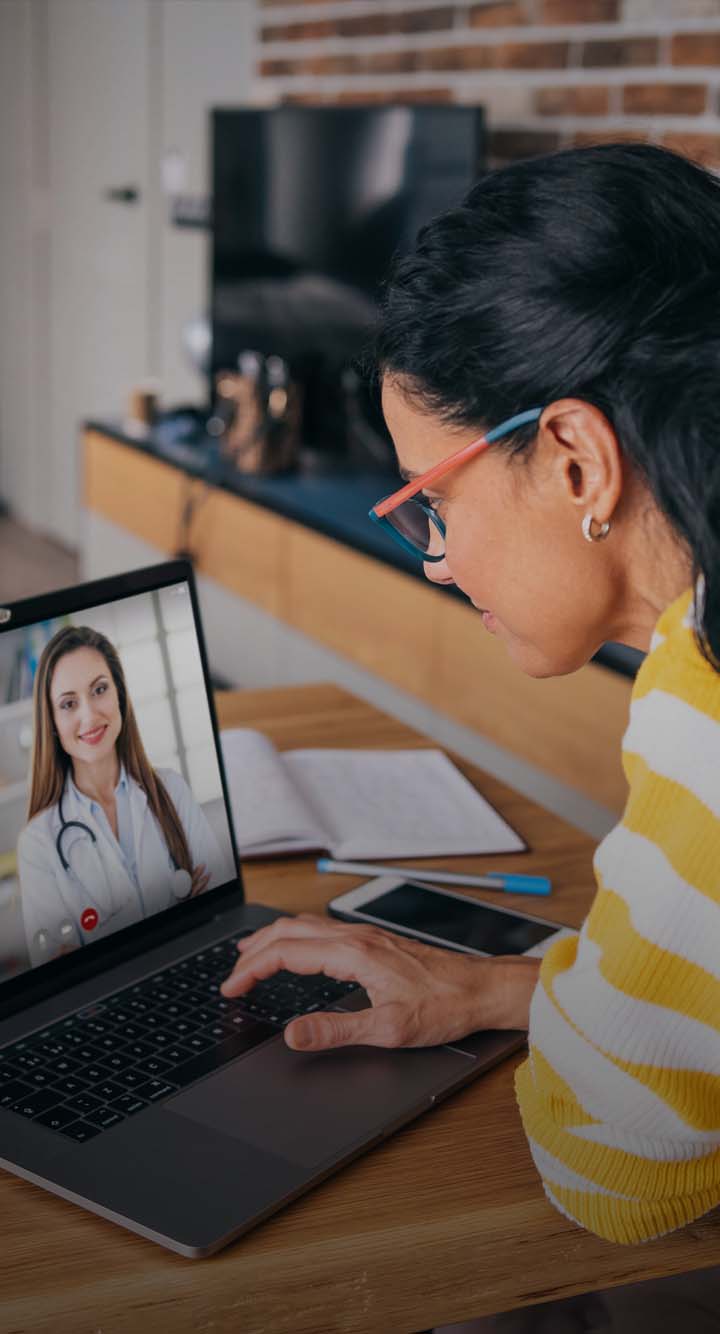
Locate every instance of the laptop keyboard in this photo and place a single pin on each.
(106, 1062)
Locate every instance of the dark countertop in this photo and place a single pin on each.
(326, 493)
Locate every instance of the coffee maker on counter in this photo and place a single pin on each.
(257, 414)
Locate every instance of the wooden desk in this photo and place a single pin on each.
(445, 1221)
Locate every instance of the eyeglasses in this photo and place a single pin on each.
(415, 524)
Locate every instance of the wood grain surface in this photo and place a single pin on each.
(445, 1221)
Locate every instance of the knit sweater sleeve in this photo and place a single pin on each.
(620, 1093)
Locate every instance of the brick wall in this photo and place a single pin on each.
(551, 73)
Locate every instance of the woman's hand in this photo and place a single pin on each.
(421, 996)
(200, 881)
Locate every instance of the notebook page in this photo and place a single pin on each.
(397, 803)
(269, 813)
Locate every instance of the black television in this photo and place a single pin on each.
(309, 206)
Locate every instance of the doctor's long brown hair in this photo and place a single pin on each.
(50, 763)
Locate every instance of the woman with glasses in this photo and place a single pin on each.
(549, 365)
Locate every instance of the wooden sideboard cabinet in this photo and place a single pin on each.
(406, 632)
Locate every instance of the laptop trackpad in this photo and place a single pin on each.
(306, 1106)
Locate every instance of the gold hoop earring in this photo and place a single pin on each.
(588, 533)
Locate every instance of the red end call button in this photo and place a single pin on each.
(89, 919)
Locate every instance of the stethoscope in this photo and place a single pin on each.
(46, 941)
(181, 882)
(64, 826)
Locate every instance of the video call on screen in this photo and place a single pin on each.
(71, 871)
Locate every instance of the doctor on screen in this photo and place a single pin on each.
(109, 839)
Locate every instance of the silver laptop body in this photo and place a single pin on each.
(206, 1161)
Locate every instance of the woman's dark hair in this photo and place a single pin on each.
(593, 273)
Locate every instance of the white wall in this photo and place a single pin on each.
(24, 246)
(207, 60)
(93, 295)
(99, 300)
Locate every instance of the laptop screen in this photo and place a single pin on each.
(111, 798)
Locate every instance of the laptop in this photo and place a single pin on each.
(128, 1084)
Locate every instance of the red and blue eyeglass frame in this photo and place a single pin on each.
(382, 508)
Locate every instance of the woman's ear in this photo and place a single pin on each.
(584, 450)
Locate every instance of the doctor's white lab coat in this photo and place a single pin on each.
(97, 896)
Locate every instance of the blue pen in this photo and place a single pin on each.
(501, 880)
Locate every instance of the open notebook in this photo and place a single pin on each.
(356, 803)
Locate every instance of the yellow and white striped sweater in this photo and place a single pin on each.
(620, 1094)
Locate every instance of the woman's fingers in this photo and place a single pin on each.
(311, 955)
(336, 956)
(304, 925)
(316, 1032)
(420, 996)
